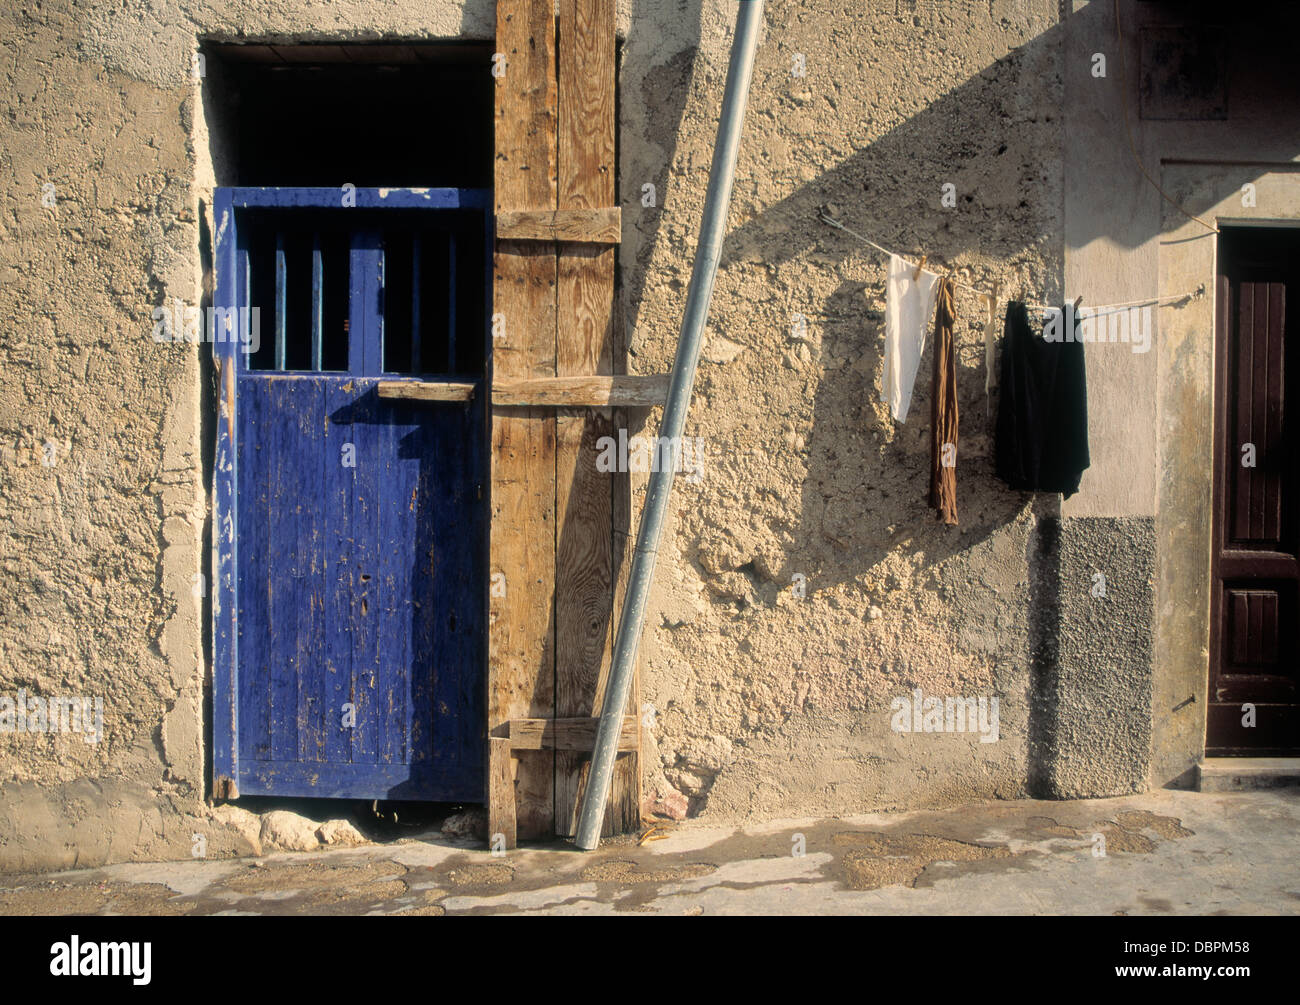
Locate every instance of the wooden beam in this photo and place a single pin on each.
(588, 226)
(567, 734)
(426, 390)
(521, 636)
(501, 793)
(582, 392)
(584, 561)
(623, 808)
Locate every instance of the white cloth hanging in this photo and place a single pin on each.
(909, 308)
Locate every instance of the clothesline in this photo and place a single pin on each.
(1093, 311)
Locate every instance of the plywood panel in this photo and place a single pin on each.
(585, 301)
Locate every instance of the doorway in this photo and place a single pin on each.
(1254, 697)
(352, 243)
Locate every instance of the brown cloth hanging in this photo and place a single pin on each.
(943, 409)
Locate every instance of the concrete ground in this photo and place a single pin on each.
(1165, 852)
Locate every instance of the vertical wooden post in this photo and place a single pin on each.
(584, 571)
(501, 793)
(521, 667)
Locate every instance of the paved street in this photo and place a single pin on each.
(1166, 852)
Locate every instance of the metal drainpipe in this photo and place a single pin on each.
(712, 227)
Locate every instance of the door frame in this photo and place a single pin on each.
(1183, 373)
(229, 259)
(1223, 458)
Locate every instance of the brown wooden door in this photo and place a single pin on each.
(1255, 620)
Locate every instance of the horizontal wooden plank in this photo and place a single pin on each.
(593, 226)
(579, 392)
(426, 390)
(312, 53)
(566, 734)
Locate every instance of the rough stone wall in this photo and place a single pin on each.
(1099, 688)
(101, 490)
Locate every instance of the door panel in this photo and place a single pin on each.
(1255, 618)
(357, 588)
(350, 641)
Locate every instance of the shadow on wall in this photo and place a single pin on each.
(975, 137)
(662, 94)
(997, 138)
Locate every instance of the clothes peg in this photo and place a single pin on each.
(916, 276)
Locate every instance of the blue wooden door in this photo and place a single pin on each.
(350, 532)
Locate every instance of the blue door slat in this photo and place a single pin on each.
(336, 584)
(374, 335)
(225, 639)
(393, 580)
(417, 351)
(282, 613)
(410, 459)
(245, 321)
(317, 302)
(254, 529)
(389, 665)
(360, 253)
(420, 459)
(361, 533)
(307, 580)
(338, 484)
(281, 284)
(447, 611)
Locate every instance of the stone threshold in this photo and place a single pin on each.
(1237, 774)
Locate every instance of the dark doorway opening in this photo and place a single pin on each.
(366, 115)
